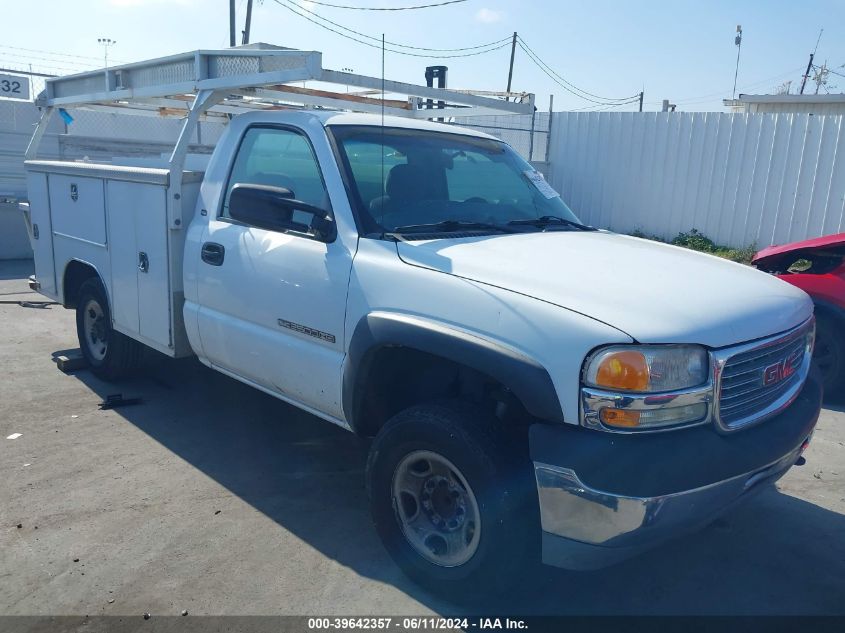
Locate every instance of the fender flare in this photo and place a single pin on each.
(70, 262)
(524, 376)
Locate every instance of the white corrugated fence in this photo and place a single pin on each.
(738, 178)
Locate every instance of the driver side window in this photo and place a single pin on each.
(279, 158)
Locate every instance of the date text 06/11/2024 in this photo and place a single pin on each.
(415, 623)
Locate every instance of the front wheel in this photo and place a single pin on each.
(452, 500)
(110, 354)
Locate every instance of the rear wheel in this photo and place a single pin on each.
(452, 499)
(110, 354)
(829, 355)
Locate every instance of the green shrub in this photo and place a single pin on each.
(697, 241)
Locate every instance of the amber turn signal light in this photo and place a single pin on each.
(620, 418)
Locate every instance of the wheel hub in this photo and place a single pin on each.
(444, 503)
(95, 328)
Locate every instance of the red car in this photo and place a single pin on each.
(817, 266)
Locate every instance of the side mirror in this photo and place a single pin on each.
(276, 209)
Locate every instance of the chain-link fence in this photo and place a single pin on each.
(527, 134)
(97, 136)
(129, 138)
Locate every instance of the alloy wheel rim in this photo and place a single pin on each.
(436, 509)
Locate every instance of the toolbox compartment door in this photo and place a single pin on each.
(42, 233)
(139, 262)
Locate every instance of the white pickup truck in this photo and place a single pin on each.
(534, 386)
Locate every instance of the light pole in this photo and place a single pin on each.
(347, 70)
(738, 42)
(105, 42)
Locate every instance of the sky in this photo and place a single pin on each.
(681, 50)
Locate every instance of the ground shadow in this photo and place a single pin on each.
(17, 269)
(774, 554)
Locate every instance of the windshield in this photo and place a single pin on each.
(406, 179)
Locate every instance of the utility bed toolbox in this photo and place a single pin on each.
(114, 218)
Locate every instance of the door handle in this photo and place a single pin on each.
(143, 262)
(213, 253)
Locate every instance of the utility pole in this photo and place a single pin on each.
(513, 52)
(232, 41)
(810, 63)
(641, 99)
(806, 73)
(105, 42)
(248, 23)
(738, 42)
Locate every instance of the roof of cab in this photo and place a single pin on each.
(354, 118)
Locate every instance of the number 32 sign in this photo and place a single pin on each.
(14, 87)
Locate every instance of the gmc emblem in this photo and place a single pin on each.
(782, 369)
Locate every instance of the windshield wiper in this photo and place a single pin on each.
(551, 220)
(448, 226)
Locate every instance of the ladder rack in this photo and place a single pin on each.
(256, 77)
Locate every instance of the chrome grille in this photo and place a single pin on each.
(745, 394)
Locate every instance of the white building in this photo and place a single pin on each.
(803, 104)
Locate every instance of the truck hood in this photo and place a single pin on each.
(655, 293)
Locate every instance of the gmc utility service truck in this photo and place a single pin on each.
(532, 385)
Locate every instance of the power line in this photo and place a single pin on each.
(52, 53)
(25, 72)
(11, 59)
(57, 62)
(567, 85)
(704, 97)
(493, 46)
(544, 66)
(419, 6)
(396, 44)
(571, 88)
(594, 108)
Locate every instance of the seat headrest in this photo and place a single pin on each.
(405, 182)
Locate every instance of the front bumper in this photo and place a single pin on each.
(604, 498)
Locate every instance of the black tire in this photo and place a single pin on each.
(110, 354)
(496, 468)
(829, 356)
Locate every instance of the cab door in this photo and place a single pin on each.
(272, 302)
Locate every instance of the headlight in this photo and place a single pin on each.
(642, 387)
(647, 368)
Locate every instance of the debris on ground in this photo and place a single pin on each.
(70, 362)
(14, 436)
(30, 304)
(115, 400)
(184, 612)
(146, 616)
